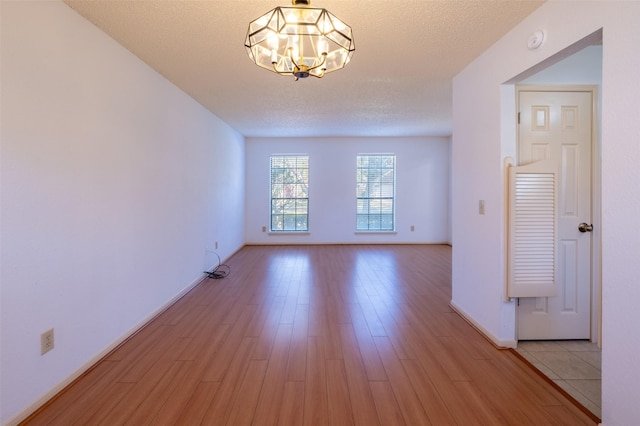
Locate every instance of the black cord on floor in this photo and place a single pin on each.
(219, 271)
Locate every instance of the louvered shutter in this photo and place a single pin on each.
(532, 230)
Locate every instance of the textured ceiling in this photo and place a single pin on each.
(398, 83)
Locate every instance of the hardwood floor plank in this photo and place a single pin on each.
(271, 395)
(244, 406)
(297, 365)
(433, 356)
(318, 322)
(257, 323)
(205, 343)
(183, 396)
(337, 311)
(292, 410)
(314, 335)
(387, 407)
(146, 412)
(219, 409)
(428, 394)
(340, 411)
(290, 306)
(194, 410)
(168, 347)
(140, 343)
(316, 405)
(332, 342)
(99, 408)
(398, 340)
(536, 388)
(366, 348)
(481, 412)
(357, 379)
(169, 413)
(456, 405)
(136, 402)
(270, 328)
(514, 405)
(90, 393)
(218, 364)
(236, 309)
(370, 315)
(410, 406)
(102, 375)
(565, 415)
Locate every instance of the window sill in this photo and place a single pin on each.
(289, 233)
(376, 232)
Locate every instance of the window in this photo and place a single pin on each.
(289, 193)
(375, 192)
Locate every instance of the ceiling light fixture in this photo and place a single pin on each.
(299, 40)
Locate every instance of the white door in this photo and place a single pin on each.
(557, 126)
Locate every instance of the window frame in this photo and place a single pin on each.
(370, 200)
(293, 211)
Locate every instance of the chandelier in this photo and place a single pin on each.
(299, 40)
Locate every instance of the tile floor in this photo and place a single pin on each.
(573, 365)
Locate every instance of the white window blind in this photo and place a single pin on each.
(289, 193)
(375, 194)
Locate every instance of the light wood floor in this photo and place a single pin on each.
(301, 335)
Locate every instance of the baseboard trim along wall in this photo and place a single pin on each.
(513, 344)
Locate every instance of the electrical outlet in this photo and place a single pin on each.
(46, 341)
(264, 229)
(481, 206)
(413, 228)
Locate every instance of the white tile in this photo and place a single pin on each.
(593, 358)
(567, 365)
(575, 366)
(531, 357)
(591, 389)
(578, 396)
(579, 346)
(540, 346)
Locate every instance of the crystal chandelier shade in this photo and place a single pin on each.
(299, 41)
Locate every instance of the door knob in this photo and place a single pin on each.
(584, 227)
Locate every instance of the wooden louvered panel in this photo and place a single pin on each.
(532, 239)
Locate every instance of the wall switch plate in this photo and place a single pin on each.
(216, 245)
(46, 341)
(413, 228)
(481, 207)
(264, 229)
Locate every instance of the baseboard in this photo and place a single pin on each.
(32, 408)
(349, 243)
(512, 344)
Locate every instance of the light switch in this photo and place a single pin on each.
(481, 207)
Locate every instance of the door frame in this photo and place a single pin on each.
(596, 195)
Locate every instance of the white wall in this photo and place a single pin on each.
(422, 189)
(583, 67)
(114, 185)
(479, 146)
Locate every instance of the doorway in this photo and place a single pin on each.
(556, 124)
(578, 64)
